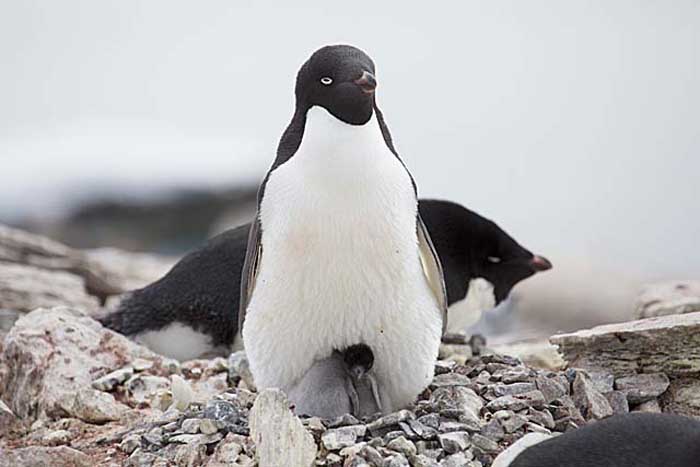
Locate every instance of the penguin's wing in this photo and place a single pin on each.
(250, 271)
(432, 269)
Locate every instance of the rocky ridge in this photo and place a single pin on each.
(74, 393)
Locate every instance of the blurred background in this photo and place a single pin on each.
(574, 125)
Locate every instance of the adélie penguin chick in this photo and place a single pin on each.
(192, 311)
(337, 385)
(337, 253)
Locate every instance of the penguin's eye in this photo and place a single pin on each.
(494, 259)
(326, 80)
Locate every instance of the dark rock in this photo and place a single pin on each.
(590, 402)
(643, 387)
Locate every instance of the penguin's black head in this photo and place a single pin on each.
(339, 78)
(471, 246)
(358, 359)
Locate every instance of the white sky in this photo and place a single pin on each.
(575, 125)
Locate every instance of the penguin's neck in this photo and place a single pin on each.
(333, 150)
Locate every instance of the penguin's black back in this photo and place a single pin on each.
(202, 291)
(632, 440)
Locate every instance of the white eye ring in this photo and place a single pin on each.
(494, 259)
(326, 80)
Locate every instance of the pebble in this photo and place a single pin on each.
(485, 444)
(402, 445)
(397, 460)
(454, 441)
(342, 437)
(113, 379)
(57, 438)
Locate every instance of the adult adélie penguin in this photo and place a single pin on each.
(338, 254)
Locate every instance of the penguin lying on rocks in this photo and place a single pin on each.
(629, 440)
(192, 311)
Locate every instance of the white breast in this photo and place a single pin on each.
(467, 312)
(340, 264)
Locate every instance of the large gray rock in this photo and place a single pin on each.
(37, 456)
(279, 436)
(52, 354)
(667, 344)
(38, 272)
(668, 298)
(24, 288)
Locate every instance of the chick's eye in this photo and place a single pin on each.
(494, 259)
(326, 80)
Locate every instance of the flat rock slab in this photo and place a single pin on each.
(666, 344)
(279, 435)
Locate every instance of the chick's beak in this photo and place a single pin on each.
(367, 82)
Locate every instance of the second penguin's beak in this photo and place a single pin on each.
(367, 82)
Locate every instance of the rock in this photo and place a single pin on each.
(143, 388)
(422, 460)
(454, 441)
(25, 288)
(683, 397)
(227, 452)
(618, 402)
(450, 379)
(397, 460)
(543, 418)
(668, 298)
(651, 406)
(191, 425)
(130, 443)
(225, 414)
(510, 421)
(182, 392)
(207, 426)
(459, 459)
(50, 354)
(36, 456)
(402, 445)
(643, 387)
(7, 418)
(141, 458)
(57, 438)
(7, 320)
(390, 420)
(667, 344)
(199, 439)
(239, 370)
(512, 389)
(92, 406)
(551, 387)
(590, 402)
(338, 438)
(484, 444)
(459, 398)
(280, 437)
(111, 380)
(40, 272)
(506, 403)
